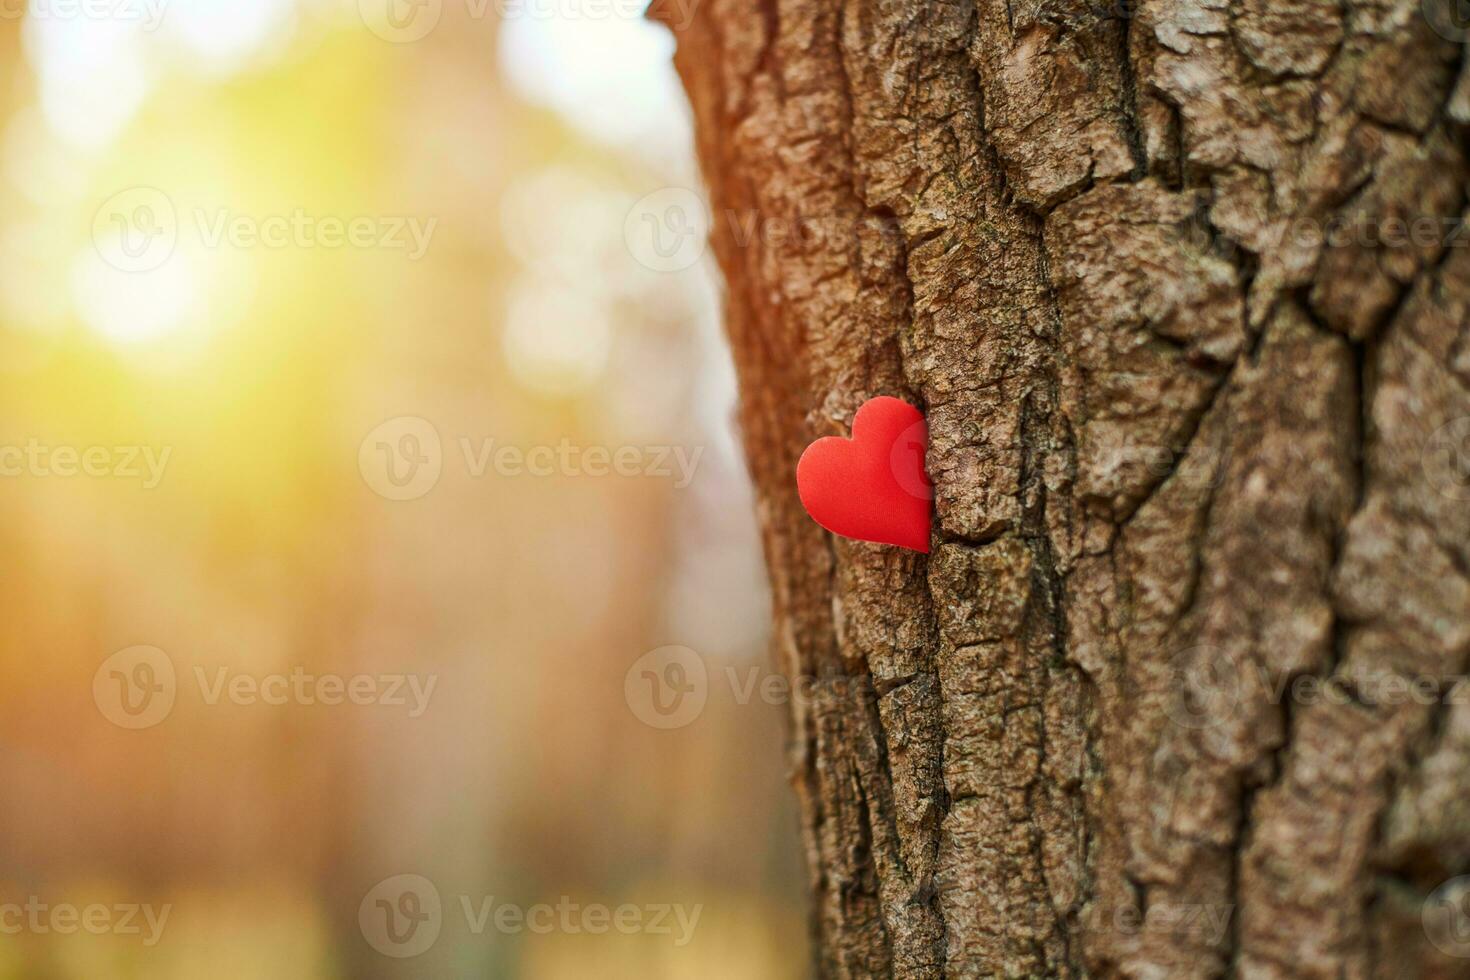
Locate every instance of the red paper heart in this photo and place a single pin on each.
(872, 487)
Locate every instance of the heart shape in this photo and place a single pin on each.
(872, 487)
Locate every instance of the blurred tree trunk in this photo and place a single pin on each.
(1192, 462)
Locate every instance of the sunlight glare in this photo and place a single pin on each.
(41, 167)
(611, 76)
(136, 307)
(91, 75)
(224, 35)
(556, 340)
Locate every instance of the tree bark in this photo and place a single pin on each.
(1200, 428)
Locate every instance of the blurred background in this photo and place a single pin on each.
(330, 362)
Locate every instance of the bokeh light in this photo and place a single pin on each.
(221, 384)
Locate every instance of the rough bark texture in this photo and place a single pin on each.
(1192, 463)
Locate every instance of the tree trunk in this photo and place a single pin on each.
(1182, 290)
